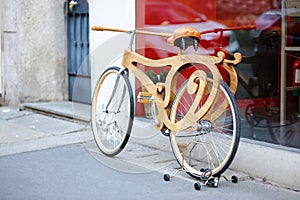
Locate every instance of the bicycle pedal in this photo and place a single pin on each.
(144, 97)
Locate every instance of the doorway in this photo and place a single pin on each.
(79, 71)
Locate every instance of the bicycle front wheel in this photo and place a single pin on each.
(209, 150)
(112, 111)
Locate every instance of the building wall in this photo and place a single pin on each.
(34, 51)
(106, 47)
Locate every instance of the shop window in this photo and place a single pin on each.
(259, 73)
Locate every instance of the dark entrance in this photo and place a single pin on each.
(79, 72)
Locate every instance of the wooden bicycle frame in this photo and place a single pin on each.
(164, 93)
(196, 85)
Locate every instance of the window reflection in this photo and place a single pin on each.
(259, 73)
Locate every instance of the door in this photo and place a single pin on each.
(79, 72)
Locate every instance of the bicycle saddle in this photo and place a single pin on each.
(184, 37)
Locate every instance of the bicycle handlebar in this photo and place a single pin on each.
(100, 28)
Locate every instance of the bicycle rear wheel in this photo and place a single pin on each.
(112, 111)
(209, 150)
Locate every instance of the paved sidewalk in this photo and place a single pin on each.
(48, 125)
(23, 131)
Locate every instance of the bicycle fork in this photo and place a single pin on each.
(120, 73)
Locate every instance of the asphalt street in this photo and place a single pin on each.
(45, 157)
(71, 172)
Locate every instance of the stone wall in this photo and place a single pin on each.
(34, 51)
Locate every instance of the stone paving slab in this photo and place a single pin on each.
(63, 108)
(19, 133)
(7, 113)
(22, 131)
(43, 143)
(47, 124)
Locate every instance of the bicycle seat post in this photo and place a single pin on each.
(132, 33)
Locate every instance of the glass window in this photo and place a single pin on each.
(170, 13)
(260, 71)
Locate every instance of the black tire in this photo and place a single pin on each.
(112, 124)
(213, 150)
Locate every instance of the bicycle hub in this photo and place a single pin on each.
(204, 126)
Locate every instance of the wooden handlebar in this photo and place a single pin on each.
(100, 28)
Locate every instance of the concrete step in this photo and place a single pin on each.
(67, 109)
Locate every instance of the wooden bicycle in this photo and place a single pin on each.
(199, 114)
